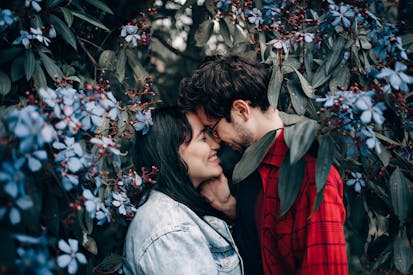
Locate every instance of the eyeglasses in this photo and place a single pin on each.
(211, 130)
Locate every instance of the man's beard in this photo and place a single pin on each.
(245, 137)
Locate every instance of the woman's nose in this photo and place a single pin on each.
(214, 142)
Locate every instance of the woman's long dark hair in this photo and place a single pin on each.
(160, 147)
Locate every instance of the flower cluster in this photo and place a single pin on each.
(138, 32)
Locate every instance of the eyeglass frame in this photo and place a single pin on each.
(211, 130)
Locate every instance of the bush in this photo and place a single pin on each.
(76, 82)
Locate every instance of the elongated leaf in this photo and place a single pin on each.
(107, 59)
(399, 191)
(90, 20)
(5, 84)
(289, 119)
(274, 87)
(39, 77)
(8, 54)
(325, 158)
(298, 100)
(121, 65)
(67, 14)
(100, 5)
(29, 62)
(17, 69)
(336, 55)
(320, 77)
(64, 31)
(204, 33)
(224, 30)
(252, 157)
(138, 70)
(289, 182)
(110, 264)
(340, 79)
(403, 252)
(51, 68)
(307, 88)
(53, 3)
(308, 62)
(299, 137)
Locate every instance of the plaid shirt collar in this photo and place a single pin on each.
(276, 153)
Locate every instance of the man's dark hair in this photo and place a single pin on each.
(221, 80)
(160, 148)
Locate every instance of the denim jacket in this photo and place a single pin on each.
(166, 237)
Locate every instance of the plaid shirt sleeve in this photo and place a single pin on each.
(320, 239)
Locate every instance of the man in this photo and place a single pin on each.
(229, 94)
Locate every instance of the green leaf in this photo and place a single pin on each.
(100, 5)
(121, 65)
(289, 119)
(204, 33)
(274, 87)
(90, 20)
(299, 137)
(139, 72)
(320, 77)
(307, 88)
(29, 62)
(17, 69)
(298, 100)
(9, 54)
(107, 59)
(67, 14)
(399, 191)
(52, 69)
(63, 30)
(39, 77)
(252, 157)
(340, 78)
(53, 3)
(336, 55)
(90, 244)
(403, 252)
(325, 158)
(308, 61)
(5, 84)
(224, 30)
(289, 182)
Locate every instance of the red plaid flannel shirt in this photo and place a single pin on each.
(294, 243)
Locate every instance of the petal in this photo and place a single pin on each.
(395, 81)
(81, 258)
(73, 245)
(74, 164)
(64, 246)
(400, 67)
(11, 189)
(34, 164)
(366, 116)
(72, 269)
(25, 202)
(14, 216)
(63, 260)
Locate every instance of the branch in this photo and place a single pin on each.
(176, 51)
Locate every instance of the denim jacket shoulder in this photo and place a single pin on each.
(166, 237)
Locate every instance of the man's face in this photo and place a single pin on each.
(233, 133)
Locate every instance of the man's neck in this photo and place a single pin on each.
(266, 122)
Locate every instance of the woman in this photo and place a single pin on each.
(175, 230)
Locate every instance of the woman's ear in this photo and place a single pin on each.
(241, 108)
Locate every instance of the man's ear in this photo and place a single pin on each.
(241, 108)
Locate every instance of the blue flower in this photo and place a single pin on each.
(144, 121)
(35, 158)
(71, 154)
(27, 125)
(24, 39)
(224, 4)
(71, 257)
(110, 104)
(343, 14)
(357, 181)
(38, 34)
(92, 116)
(92, 203)
(103, 215)
(6, 17)
(122, 203)
(130, 32)
(255, 17)
(52, 32)
(23, 203)
(371, 141)
(364, 104)
(397, 78)
(34, 4)
(33, 261)
(13, 177)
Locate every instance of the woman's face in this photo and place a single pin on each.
(200, 154)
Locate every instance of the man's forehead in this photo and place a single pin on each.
(202, 116)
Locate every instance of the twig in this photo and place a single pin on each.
(178, 52)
